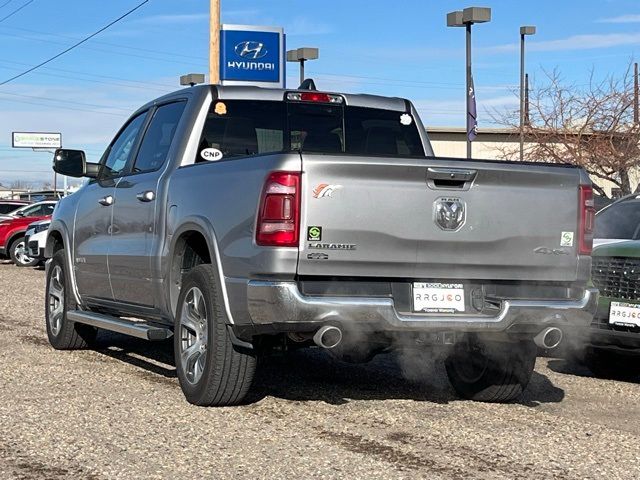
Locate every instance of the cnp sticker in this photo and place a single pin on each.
(566, 239)
(220, 108)
(406, 119)
(211, 154)
(314, 234)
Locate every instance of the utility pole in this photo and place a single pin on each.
(214, 42)
(525, 30)
(635, 94)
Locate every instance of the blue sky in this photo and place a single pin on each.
(400, 48)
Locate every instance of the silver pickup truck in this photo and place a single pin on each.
(243, 220)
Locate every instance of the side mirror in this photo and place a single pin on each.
(73, 163)
(19, 214)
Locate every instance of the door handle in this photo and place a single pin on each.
(147, 196)
(106, 201)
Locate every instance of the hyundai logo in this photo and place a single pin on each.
(449, 213)
(251, 50)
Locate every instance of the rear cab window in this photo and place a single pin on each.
(239, 128)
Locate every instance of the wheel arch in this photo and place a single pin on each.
(194, 243)
(57, 238)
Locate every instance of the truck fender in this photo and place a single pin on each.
(61, 228)
(203, 226)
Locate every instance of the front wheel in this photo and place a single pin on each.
(63, 334)
(18, 254)
(490, 371)
(211, 371)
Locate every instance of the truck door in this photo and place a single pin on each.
(92, 235)
(137, 210)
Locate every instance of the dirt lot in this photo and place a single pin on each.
(117, 412)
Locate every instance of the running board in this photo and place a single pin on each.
(120, 325)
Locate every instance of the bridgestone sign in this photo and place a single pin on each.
(36, 140)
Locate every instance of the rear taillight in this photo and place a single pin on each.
(587, 219)
(279, 214)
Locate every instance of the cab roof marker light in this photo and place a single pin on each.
(314, 97)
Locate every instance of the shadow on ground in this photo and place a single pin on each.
(312, 374)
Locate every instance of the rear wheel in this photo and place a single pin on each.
(18, 254)
(211, 371)
(611, 364)
(63, 334)
(490, 371)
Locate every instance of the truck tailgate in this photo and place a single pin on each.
(432, 218)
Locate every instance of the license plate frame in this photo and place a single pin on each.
(624, 314)
(438, 297)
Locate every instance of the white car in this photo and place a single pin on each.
(35, 239)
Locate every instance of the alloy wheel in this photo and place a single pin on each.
(55, 301)
(193, 335)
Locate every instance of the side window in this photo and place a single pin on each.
(47, 209)
(33, 211)
(121, 148)
(158, 137)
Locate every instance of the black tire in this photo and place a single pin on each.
(496, 372)
(226, 373)
(612, 365)
(16, 252)
(63, 334)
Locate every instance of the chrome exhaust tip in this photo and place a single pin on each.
(328, 337)
(548, 338)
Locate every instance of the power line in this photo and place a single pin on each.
(76, 44)
(6, 3)
(15, 11)
(100, 42)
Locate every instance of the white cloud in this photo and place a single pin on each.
(304, 26)
(574, 42)
(629, 18)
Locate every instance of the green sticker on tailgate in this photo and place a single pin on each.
(314, 234)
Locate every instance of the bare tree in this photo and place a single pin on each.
(587, 125)
(19, 185)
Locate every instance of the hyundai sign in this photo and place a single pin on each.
(251, 55)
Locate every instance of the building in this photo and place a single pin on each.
(490, 144)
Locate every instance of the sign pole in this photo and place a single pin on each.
(214, 42)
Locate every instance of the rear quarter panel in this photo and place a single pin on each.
(223, 198)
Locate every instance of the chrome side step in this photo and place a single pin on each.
(120, 325)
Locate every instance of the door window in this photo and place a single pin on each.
(121, 148)
(158, 137)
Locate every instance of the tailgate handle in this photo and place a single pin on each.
(456, 178)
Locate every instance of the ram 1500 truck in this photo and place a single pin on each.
(241, 220)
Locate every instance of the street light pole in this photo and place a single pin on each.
(301, 55)
(468, 25)
(466, 18)
(526, 30)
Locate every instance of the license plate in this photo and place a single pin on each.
(438, 297)
(625, 314)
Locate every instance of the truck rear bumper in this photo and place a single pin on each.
(281, 305)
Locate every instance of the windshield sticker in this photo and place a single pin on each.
(211, 154)
(220, 108)
(566, 239)
(325, 190)
(406, 119)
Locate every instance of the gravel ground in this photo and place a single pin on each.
(117, 412)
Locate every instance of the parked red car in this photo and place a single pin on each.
(12, 231)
